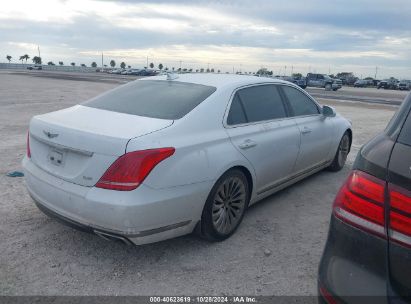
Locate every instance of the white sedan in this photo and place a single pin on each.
(165, 156)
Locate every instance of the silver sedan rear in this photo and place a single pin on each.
(164, 156)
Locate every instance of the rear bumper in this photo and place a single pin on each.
(353, 265)
(142, 216)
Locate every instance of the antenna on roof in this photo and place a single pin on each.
(171, 76)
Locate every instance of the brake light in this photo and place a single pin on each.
(130, 169)
(400, 215)
(328, 297)
(28, 145)
(360, 202)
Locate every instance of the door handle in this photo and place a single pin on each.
(306, 130)
(247, 144)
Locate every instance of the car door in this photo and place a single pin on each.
(259, 127)
(399, 213)
(316, 130)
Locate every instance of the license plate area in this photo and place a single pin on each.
(56, 157)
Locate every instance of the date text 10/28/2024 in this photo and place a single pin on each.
(205, 299)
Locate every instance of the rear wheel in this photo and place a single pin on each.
(225, 206)
(328, 87)
(342, 153)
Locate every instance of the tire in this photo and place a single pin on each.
(221, 214)
(328, 87)
(335, 90)
(341, 155)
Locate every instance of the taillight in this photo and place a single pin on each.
(400, 215)
(28, 145)
(360, 202)
(328, 297)
(130, 170)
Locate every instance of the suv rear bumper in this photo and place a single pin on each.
(353, 265)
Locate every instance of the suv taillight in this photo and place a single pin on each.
(360, 202)
(28, 145)
(400, 215)
(130, 169)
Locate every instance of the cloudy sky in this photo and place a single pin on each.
(283, 36)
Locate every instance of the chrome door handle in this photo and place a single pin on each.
(247, 144)
(306, 130)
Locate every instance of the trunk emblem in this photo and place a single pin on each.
(50, 135)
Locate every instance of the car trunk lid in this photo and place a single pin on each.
(78, 144)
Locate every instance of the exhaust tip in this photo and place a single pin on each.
(113, 237)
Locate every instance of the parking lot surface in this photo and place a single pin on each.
(275, 251)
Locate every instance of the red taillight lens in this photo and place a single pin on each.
(28, 145)
(329, 299)
(360, 202)
(130, 170)
(400, 215)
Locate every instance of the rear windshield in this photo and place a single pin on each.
(153, 98)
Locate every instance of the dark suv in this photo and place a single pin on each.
(368, 250)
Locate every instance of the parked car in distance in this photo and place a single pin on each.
(35, 67)
(361, 83)
(171, 154)
(323, 81)
(388, 84)
(368, 250)
(300, 81)
(147, 72)
(404, 85)
(133, 71)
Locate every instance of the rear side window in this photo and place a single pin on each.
(256, 103)
(153, 98)
(394, 126)
(300, 103)
(405, 135)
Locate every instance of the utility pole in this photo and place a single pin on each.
(180, 64)
(38, 48)
(147, 62)
(376, 70)
(102, 60)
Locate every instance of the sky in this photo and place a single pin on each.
(323, 36)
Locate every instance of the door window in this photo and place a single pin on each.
(257, 103)
(300, 103)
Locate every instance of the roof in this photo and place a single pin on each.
(218, 80)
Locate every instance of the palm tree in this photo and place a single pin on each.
(151, 65)
(160, 66)
(123, 65)
(212, 70)
(50, 63)
(36, 60)
(61, 63)
(83, 65)
(73, 63)
(94, 64)
(26, 57)
(112, 63)
(8, 58)
(21, 58)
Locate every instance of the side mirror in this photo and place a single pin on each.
(329, 111)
